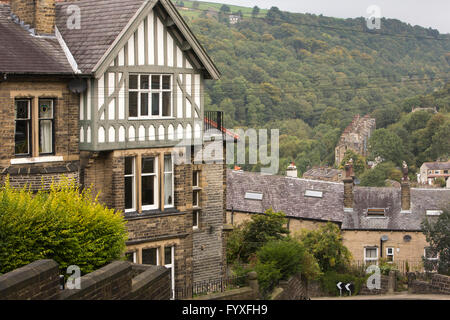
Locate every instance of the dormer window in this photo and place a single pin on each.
(313, 193)
(375, 212)
(253, 196)
(434, 212)
(150, 96)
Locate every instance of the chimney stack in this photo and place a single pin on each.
(39, 14)
(405, 189)
(348, 185)
(291, 170)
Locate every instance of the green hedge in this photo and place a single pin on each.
(63, 224)
(330, 279)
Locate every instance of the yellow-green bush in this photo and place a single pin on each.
(63, 224)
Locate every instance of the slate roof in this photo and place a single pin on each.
(288, 195)
(437, 165)
(101, 23)
(21, 52)
(390, 200)
(285, 194)
(323, 172)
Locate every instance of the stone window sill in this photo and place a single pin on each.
(37, 160)
(134, 215)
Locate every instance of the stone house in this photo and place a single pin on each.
(355, 137)
(110, 93)
(430, 171)
(365, 215)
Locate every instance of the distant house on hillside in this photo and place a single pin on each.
(430, 171)
(234, 18)
(434, 110)
(355, 137)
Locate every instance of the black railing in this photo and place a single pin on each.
(214, 120)
(210, 286)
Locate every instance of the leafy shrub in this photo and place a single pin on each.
(280, 259)
(386, 267)
(245, 240)
(330, 279)
(62, 224)
(325, 244)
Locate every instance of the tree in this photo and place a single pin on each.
(252, 235)
(377, 176)
(387, 145)
(255, 11)
(225, 9)
(359, 162)
(278, 260)
(62, 224)
(437, 234)
(325, 244)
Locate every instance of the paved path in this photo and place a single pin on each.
(398, 296)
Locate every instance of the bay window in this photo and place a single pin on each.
(150, 96)
(148, 183)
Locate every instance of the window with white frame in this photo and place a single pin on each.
(150, 256)
(131, 256)
(390, 254)
(169, 263)
(149, 183)
(150, 96)
(130, 184)
(371, 255)
(195, 218)
(430, 255)
(23, 127)
(43, 126)
(168, 181)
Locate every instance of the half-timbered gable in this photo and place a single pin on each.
(146, 89)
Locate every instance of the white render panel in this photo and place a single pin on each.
(170, 133)
(170, 53)
(151, 133)
(161, 132)
(121, 99)
(131, 51)
(188, 65)
(101, 91)
(111, 134)
(88, 134)
(121, 134)
(131, 133)
(112, 109)
(101, 135)
(180, 132)
(179, 102)
(160, 28)
(189, 84)
(197, 90)
(88, 101)
(179, 58)
(188, 109)
(141, 44)
(141, 133)
(111, 83)
(150, 40)
(122, 57)
(81, 106)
